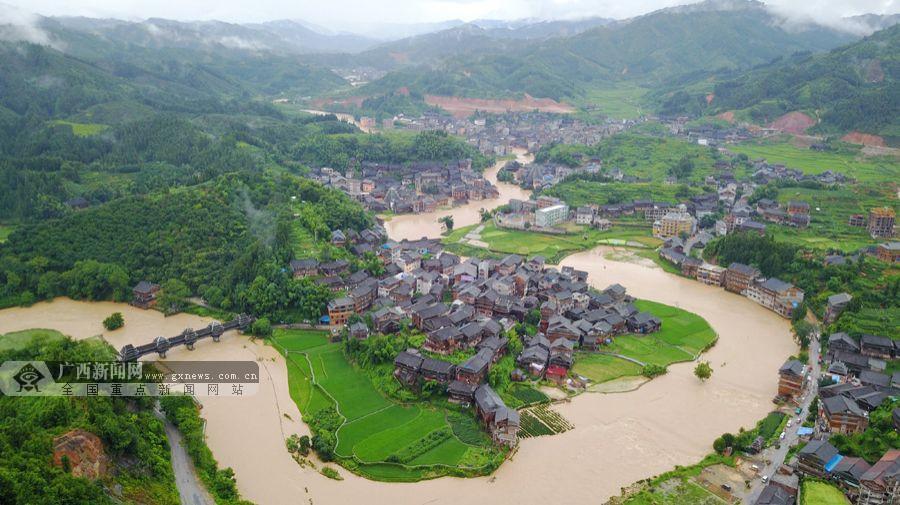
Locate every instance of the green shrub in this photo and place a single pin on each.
(114, 322)
(331, 473)
(653, 370)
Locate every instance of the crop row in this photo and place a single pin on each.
(551, 419)
(420, 446)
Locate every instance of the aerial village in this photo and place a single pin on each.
(848, 384)
(411, 188)
(470, 305)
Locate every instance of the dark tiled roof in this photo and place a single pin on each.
(792, 367)
(821, 450)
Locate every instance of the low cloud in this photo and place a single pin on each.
(17, 25)
(836, 14)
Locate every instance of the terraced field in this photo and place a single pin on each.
(379, 438)
(848, 160)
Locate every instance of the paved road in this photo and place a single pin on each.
(776, 455)
(190, 488)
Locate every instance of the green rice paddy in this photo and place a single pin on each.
(553, 247)
(379, 438)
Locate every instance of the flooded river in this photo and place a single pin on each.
(618, 438)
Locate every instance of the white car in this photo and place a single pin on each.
(789, 423)
(781, 437)
(765, 478)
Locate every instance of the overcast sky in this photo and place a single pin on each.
(356, 14)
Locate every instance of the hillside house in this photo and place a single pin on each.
(437, 370)
(836, 304)
(475, 369)
(304, 268)
(875, 346)
(407, 365)
(843, 415)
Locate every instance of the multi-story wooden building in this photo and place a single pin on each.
(843, 415)
(144, 294)
(875, 346)
(739, 277)
(776, 295)
(815, 456)
(791, 378)
(888, 252)
(340, 310)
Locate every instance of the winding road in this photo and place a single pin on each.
(190, 489)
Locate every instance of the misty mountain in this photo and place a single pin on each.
(307, 40)
(279, 37)
(677, 43)
(538, 29)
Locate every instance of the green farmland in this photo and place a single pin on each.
(683, 337)
(380, 438)
(830, 210)
(501, 241)
(847, 160)
(603, 367)
(83, 129)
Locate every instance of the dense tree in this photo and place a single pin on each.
(133, 438)
(174, 296)
(114, 321)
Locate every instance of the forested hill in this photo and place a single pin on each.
(666, 45)
(228, 240)
(102, 126)
(854, 87)
(121, 446)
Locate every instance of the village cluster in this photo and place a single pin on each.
(499, 134)
(470, 306)
(405, 188)
(851, 389)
